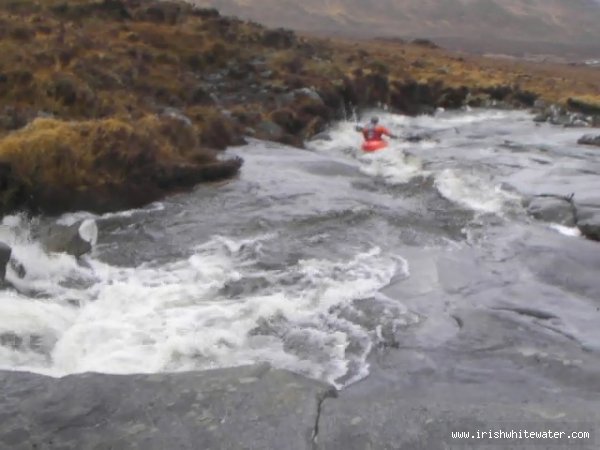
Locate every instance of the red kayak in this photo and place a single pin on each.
(373, 146)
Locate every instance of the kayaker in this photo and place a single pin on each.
(373, 131)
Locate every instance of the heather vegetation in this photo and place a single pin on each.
(107, 104)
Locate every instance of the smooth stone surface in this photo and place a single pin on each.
(500, 372)
(251, 407)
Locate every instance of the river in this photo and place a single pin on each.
(314, 260)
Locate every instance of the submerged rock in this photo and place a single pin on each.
(553, 209)
(323, 136)
(590, 139)
(588, 221)
(77, 239)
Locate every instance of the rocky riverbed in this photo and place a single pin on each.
(84, 126)
(356, 301)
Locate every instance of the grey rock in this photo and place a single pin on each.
(308, 92)
(291, 97)
(19, 268)
(5, 253)
(252, 407)
(215, 77)
(76, 239)
(416, 397)
(323, 136)
(177, 114)
(590, 139)
(578, 123)
(579, 120)
(552, 209)
(259, 64)
(570, 264)
(588, 221)
(557, 115)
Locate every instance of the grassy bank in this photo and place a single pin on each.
(106, 104)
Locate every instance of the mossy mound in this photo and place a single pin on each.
(137, 89)
(53, 165)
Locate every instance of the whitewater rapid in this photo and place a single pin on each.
(292, 263)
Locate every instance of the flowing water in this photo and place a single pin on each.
(312, 259)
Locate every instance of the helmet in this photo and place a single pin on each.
(374, 119)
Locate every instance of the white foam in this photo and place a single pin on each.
(391, 165)
(566, 231)
(71, 218)
(474, 191)
(88, 230)
(176, 316)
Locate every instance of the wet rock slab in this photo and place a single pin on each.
(252, 407)
(500, 372)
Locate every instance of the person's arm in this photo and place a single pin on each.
(387, 133)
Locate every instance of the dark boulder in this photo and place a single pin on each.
(588, 221)
(280, 38)
(76, 239)
(5, 253)
(590, 139)
(413, 98)
(298, 95)
(184, 176)
(524, 98)
(553, 209)
(499, 93)
(453, 98)
(585, 107)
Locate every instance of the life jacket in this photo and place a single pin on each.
(373, 132)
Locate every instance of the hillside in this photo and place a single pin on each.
(567, 27)
(109, 104)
